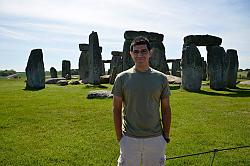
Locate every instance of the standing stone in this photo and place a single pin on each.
(53, 72)
(232, 68)
(158, 59)
(191, 68)
(176, 67)
(95, 58)
(248, 75)
(84, 61)
(217, 67)
(115, 65)
(35, 70)
(204, 69)
(66, 69)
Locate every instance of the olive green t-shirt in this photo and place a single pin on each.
(141, 93)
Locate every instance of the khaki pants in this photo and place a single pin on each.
(144, 151)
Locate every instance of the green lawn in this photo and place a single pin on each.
(59, 126)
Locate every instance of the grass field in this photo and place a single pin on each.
(59, 126)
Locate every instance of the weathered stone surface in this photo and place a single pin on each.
(100, 94)
(158, 59)
(84, 63)
(152, 36)
(95, 59)
(13, 76)
(83, 47)
(53, 80)
(191, 68)
(53, 72)
(173, 79)
(105, 79)
(204, 70)
(113, 75)
(176, 67)
(66, 67)
(217, 67)
(35, 70)
(116, 61)
(248, 75)
(74, 82)
(62, 82)
(232, 68)
(202, 40)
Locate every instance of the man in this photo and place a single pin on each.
(138, 94)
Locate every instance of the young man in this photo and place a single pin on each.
(138, 94)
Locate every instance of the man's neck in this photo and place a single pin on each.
(141, 68)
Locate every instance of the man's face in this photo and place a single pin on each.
(140, 54)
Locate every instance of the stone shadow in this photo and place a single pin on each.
(236, 92)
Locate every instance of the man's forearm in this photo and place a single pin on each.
(118, 123)
(166, 121)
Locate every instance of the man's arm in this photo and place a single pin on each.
(166, 117)
(117, 114)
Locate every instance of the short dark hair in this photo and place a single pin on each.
(140, 40)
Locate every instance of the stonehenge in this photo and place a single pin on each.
(221, 66)
(220, 69)
(35, 70)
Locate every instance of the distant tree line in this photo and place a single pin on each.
(7, 72)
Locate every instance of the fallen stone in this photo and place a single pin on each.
(74, 82)
(62, 82)
(99, 94)
(53, 80)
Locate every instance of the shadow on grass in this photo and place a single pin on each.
(236, 92)
(174, 87)
(33, 89)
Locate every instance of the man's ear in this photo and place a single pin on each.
(130, 53)
(151, 53)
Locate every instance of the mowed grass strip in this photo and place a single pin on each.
(59, 126)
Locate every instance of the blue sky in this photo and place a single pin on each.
(58, 26)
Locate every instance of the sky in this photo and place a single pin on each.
(59, 26)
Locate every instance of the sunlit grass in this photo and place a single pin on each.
(59, 126)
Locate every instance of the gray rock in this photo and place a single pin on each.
(202, 40)
(13, 76)
(74, 82)
(217, 67)
(100, 94)
(95, 59)
(176, 66)
(53, 72)
(191, 68)
(232, 68)
(116, 61)
(35, 70)
(53, 80)
(84, 63)
(248, 75)
(66, 69)
(105, 79)
(62, 82)
(173, 79)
